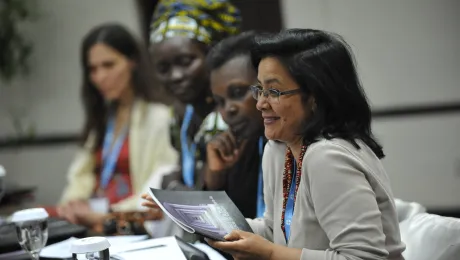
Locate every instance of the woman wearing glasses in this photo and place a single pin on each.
(327, 194)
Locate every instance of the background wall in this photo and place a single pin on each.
(50, 96)
(407, 54)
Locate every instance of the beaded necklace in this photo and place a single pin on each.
(287, 179)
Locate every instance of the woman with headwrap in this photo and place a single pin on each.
(182, 33)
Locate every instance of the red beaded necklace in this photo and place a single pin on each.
(287, 178)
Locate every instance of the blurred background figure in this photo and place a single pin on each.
(182, 33)
(126, 133)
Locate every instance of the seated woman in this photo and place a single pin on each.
(126, 133)
(182, 34)
(327, 194)
(236, 154)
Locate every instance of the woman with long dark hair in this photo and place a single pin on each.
(126, 133)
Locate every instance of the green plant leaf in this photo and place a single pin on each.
(15, 48)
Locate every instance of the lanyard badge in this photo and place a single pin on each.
(110, 156)
(188, 151)
(260, 184)
(289, 211)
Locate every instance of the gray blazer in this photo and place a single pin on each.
(344, 208)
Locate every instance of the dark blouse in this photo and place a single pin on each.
(242, 180)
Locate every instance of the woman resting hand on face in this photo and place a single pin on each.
(234, 157)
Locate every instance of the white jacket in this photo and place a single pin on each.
(149, 149)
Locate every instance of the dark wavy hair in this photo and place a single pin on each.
(120, 39)
(322, 64)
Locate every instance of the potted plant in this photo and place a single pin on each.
(15, 50)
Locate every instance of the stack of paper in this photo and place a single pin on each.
(62, 249)
(133, 248)
(160, 248)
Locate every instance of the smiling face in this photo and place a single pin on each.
(230, 87)
(110, 72)
(179, 64)
(282, 119)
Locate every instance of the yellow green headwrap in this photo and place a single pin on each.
(207, 21)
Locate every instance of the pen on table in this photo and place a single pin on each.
(115, 257)
(140, 249)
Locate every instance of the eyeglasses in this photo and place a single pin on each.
(272, 94)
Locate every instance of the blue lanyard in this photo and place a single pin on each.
(260, 186)
(188, 152)
(110, 157)
(289, 211)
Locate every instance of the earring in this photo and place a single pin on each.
(313, 107)
(209, 100)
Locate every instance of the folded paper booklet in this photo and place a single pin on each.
(209, 213)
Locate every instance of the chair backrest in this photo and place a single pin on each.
(431, 237)
(451, 253)
(406, 209)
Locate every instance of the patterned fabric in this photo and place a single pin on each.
(207, 21)
(120, 186)
(287, 179)
(213, 124)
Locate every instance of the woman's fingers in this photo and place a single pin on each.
(147, 198)
(234, 235)
(225, 144)
(231, 143)
(227, 246)
(231, 149)
(66, 212)
(60, 210)
(231, 243)
(222, 146)
(154, 214)
(149, 204)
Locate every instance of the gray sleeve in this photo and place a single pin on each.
(345, 205)
(264, 226)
